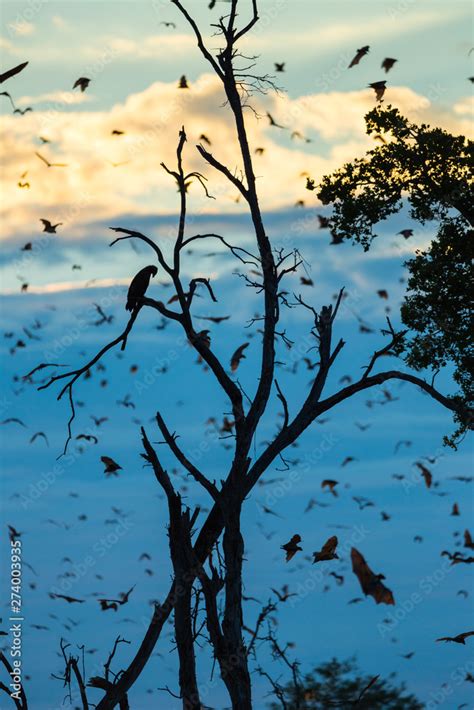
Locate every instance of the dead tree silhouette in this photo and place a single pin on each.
(191, 560)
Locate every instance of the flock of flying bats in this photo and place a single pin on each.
(371, 583)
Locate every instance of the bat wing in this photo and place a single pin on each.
(330, 545)
(11, 72)
(362, 571)
(237, 357)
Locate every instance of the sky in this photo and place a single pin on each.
(134, 63)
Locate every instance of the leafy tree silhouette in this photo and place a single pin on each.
(340, 684)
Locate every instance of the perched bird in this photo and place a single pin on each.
(138, 287)
(460, 638)
(183, 82)
(292, 547)
(370, 583)
(83, 82)
(48, 227)
(379, 88)
(455, 510)
(359, 54)
(327, 552)
(111, 466)
(11, 72)
(388, 63)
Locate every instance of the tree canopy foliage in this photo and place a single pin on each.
(430, 170)
(340, 684)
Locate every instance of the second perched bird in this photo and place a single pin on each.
(139, 286)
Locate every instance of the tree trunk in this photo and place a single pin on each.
(181, 556)
(235, 670)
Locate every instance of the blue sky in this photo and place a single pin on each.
(135, 63)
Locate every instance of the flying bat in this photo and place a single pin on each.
(460, 638)
(11, 72)
(83, 82)
(292, 547)
(238, 356)
(48, 227)
(360, 53)
(111, 466)
(379, 88)
(388, 63)
(327, 552)
(370, 583)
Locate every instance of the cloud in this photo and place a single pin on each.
(61, 99)
(60, 286)
(22, 28)
(151, 47)
(60, 23)
(108, 176)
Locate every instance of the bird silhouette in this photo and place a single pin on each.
(370, 583)
(388, 63)
(11, 72)
(138, 287)
(50, 165)
(460, 638)
(48, 227)
(83, 82)
(327, 552)
(273, 122)
(291, 547)
(111, 466)
(379, 88)
(238, 356)
(358, 56)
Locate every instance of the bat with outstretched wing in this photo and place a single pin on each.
(370, 583)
